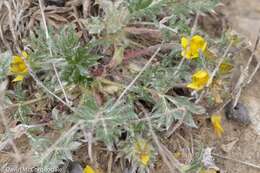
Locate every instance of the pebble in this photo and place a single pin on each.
(239, 113)
(72, 167)
(58, 3)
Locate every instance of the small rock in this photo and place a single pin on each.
(58, 3)
(75, 167)
(72, 167)
(238, 113)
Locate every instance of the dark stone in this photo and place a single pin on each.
(58, 3)
(71, 167)
(238, 113)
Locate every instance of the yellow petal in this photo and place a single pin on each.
(142, 150)
(188, 54)
(216, 122)
(201, 77)
(88, 169)
(144, 158)
(14, 68)
(17, 59)
(199, 42)
(199, 80)
(194, 86)
(191, 48)
(18, 66)
(25, 55)
(184, 42)
(201, 74)
(18, 78)
(198, 45)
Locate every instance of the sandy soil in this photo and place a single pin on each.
(244, 17)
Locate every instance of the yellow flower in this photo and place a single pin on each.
(216, 122)
(144, 159)
(18, 67)
(142, 150)
(191, 48)
(199, 80)
(88, 169)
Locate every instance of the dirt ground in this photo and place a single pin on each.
(239, 143)
(244, 17)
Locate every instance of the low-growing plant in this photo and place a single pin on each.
(114, 99)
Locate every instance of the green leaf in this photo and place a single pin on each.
(182, 101)
(188, 120)
(94, 25)
(135, 5)
(160, 78)
(5, 61)
(106, 121)
(56, 156)
(116, 15)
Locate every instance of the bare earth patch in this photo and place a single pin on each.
(243, 142)
(239, 143)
